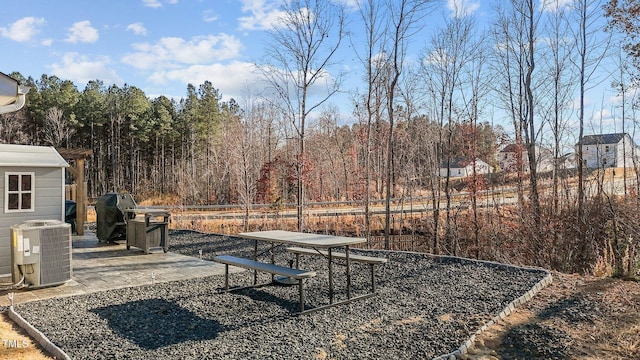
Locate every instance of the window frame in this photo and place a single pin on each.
(20, 192)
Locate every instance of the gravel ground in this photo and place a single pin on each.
(575, 317)
(425, 307)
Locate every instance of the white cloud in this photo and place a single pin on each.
(437, 58)
(463, 7)
(172, 51)
(137, 28)
(263, 14)
(231, 78)
(209, 16)
(157, 3)
(351, 5)
(82, 31)
(555, 5)
(24, 29)
(152, 3)
(601, 114)
(46, 42)
(81, 69)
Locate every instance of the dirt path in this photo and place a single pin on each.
(15, 343)
(576, 317)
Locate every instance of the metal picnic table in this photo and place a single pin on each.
(314, 241)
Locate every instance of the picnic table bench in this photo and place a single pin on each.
(357, 258)
(297, 274)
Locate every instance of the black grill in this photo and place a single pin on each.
(112, 216)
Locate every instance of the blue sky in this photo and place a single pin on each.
(157, 45)
(161, 46)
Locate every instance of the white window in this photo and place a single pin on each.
(19, 192)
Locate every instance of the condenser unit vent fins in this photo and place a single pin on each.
(55, 266)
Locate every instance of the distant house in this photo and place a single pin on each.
(464, 168)
(608, 150)
(510, 156)
(31, 188)
(513, 154)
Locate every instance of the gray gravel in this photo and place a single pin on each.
(426, 306)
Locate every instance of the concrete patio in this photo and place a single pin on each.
(98, 266)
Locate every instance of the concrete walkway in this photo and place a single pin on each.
(98, 266)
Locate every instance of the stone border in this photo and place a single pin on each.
(38, 336)
(464, 348)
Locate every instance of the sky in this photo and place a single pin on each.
(160, 46)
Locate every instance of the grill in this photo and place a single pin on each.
(119, 218)
(112, 216)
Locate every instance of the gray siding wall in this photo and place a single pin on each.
(49, 204)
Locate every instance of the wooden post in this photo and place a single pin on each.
(77, 169)
(81, 194)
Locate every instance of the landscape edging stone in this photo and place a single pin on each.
(37, 335)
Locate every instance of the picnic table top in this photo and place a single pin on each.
(302, 239)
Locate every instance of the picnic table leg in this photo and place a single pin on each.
(226, 277)
(301, 291)
(346, 257)
(373, 279)
(255, 258)
(273, 276)
(330, 277)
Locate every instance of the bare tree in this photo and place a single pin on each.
(370, 11)
(244, 137)
(517, 36)
(557, 63)
(451, 49)
(591, 49)
(303, 48)
(404, 21)
(11, 128)
(56, 128)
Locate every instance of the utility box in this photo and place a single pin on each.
(149, 228)
(41, 252)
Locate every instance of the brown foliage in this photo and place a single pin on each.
(609, 239)
(625, 16)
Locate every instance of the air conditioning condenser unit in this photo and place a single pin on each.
(41, 252)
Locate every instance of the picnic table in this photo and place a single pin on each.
(305, 244)
(313, 241)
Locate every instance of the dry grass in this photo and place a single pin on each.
(91, 215)
(612, 304)
(11, 335)
(159, 200)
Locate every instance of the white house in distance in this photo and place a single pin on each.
(464, 168)
(31, 188)
(508, 158)
(608, 150)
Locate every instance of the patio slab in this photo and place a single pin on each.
(98, 266)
